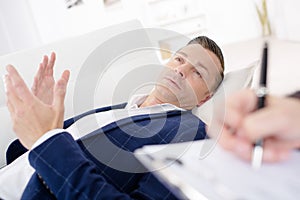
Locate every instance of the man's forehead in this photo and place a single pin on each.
(199, 56)
(195, 53)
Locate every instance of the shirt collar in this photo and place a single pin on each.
(136, 100)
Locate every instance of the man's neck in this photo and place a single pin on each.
(150, 101)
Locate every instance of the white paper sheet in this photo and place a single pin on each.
(221, 175)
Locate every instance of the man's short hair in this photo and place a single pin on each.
(210, 45)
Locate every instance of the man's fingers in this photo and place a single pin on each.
(271, 154)
(262, 124)
(227, 140)
(278, 143)
(237, 107)
(60, 89)
(35, 85)
(40, 72)
(11, 108)
(239, 146)
(66, 75)
(49, 68)
(233, 119)
(45, 60)
(19, 87)
(274, 150)
(12, 98)
(244, 101)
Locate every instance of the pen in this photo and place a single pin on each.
(257, 154)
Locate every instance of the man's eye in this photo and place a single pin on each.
(178, 59)
(198, 73)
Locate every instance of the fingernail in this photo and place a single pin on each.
(8, 68)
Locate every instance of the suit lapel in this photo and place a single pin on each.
(70, 121)
(131, 121)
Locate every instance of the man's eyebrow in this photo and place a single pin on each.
(201, 65)
(180, 52)
(198, 63)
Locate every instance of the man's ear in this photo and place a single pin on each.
(206, 98)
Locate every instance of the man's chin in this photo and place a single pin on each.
(166, 92)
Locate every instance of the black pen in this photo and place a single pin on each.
(257, 154)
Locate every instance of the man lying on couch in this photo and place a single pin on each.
(69, 169)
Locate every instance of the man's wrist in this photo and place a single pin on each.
(46, 136)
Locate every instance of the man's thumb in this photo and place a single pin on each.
(60, 89)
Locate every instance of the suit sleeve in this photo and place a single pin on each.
(68, 174)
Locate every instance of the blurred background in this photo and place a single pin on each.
(31, 23)
(30, 29)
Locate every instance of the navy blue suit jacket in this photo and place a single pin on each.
(88, 168)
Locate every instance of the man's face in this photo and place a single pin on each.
(188, 77)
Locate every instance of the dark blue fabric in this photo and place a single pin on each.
(78, 178)
(176, 127)
(37, 189)
(14, 150)
(78, 170)
(70, 121)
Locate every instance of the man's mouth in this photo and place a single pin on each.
(173, 82)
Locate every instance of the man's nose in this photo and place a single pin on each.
(182, 70)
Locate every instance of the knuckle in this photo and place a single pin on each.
(20, 113)
(18, 85)
(33, 88)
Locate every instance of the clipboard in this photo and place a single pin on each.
(216, 174)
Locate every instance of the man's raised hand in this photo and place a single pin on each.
(44, 82)
(31, 116)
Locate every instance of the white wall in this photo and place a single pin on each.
(285, 19)
(28, 23)
(232, 20)
(55, 21)
(6, 45)
(17, 27)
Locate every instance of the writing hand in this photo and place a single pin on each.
(278, 123)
